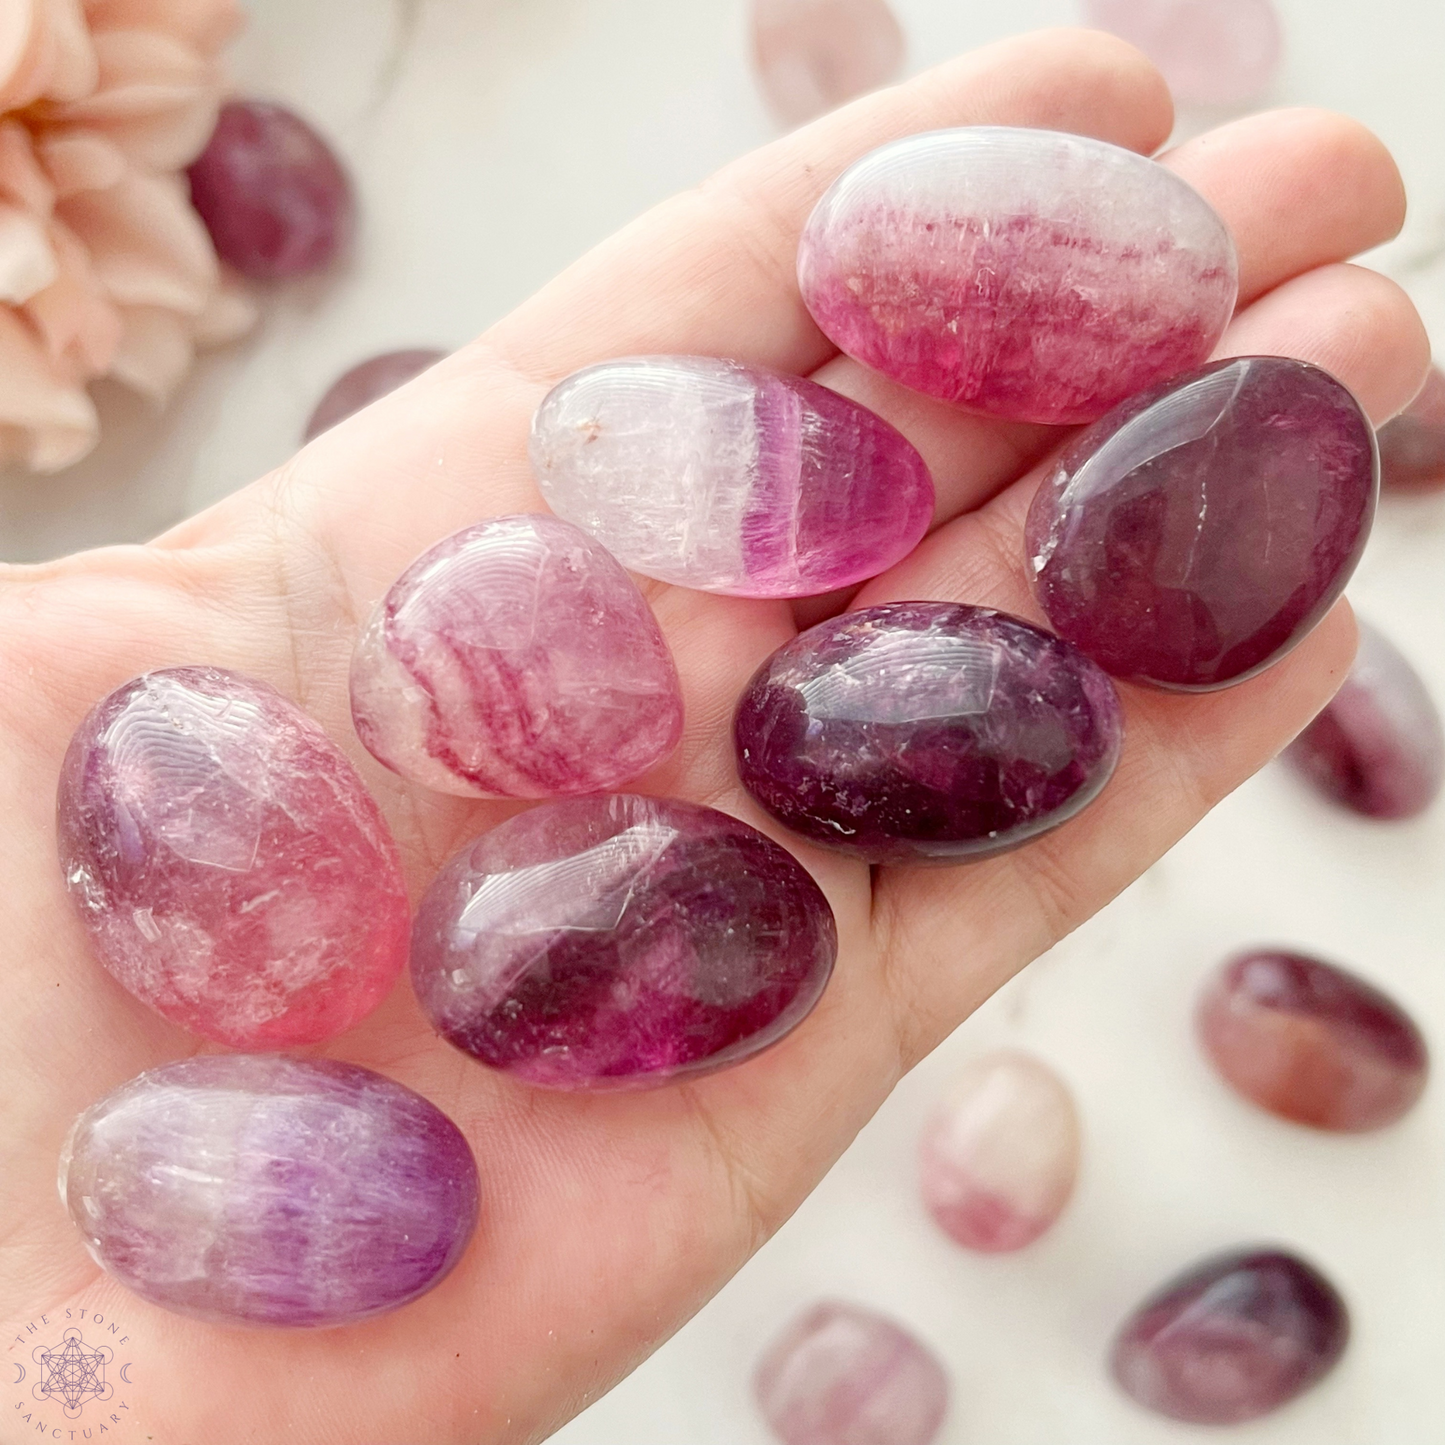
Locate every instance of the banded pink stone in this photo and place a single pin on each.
(227, 861)
(616, 942)
(516, 659)
(1001, 1152)
(728, 478)
(1023, 273)
(843, 1375)
(365, 383)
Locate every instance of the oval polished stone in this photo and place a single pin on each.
(842, 1375)
(1232, 1339)
(227, 861)
(265, 1190)
(1023, 273)
(516, 659)
(1198, 532)
(926, 731)
(1312, 1043)
(1378, 747)
(616, 942)
(728, 478)
(1000, 1154)
(365, 383)
(1412, 446)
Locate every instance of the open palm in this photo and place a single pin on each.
(607, 1220)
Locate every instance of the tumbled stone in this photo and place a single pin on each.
(926, 731)
(516, 659)
(229, 865)
(604, 943)
(1199, 531)
(812, 55)
(1023, 273)
(1212, 52)
(1000, 1155)
(842, 1375)
(1232, 1339)
(1377, 748)
(271, 193)
(1412, 447)
(365, 383)
(265, 1190)
(1312, 1043)
(728, 478)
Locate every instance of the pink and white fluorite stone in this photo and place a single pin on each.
(842, 1375)
(812, 55)
(1212, 52)
(516, 659)
(1000, 1155)
(227, 861)
(1027, 274)
(729, 478)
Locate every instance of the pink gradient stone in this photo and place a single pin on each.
(1027, 274)
(617, 942)
(229, 865)
(1312, 1043)
(812, 55)
(1212, 52)
(516, 659)
(926, 732)
(841, 1375)
(1234, 1338)
(1000, 1154)
(1377, 748)
(1412, 447)
(365, 383)
(729, 478)
(256, 1189)
(273, 196)
(1199, 531)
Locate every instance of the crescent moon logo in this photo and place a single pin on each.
(21, 1376)
(123, 1370)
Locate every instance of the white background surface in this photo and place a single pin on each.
(493, 141)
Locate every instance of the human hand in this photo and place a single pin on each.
(608, 1219)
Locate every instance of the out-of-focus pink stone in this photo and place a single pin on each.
(516, 659)
(1000, 1155)
(814, 54)
(1212, 52)
(1377, 747)
(1232, 1339)
(1023, 273)
(1412, 447)
(365, 383)
(231, 868)
(1312, 1043)
(616, 942)
(1199, 531)
(729, 478)
(273, 196)
(841, 1375)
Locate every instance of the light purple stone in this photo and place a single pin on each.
(265, 1190)
(1378, 747)
(841, 1375)
(605, 943)
(729, 478)
(365, 382)
(516, 659)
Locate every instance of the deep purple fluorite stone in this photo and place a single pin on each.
(1194, 535)
(1378, 747)
(926, 731)
(613, 942)
(1312, 1043)
(1234, 1338)
(271, 193)
(1412, 446)
(259, 1189)
(365, 383)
